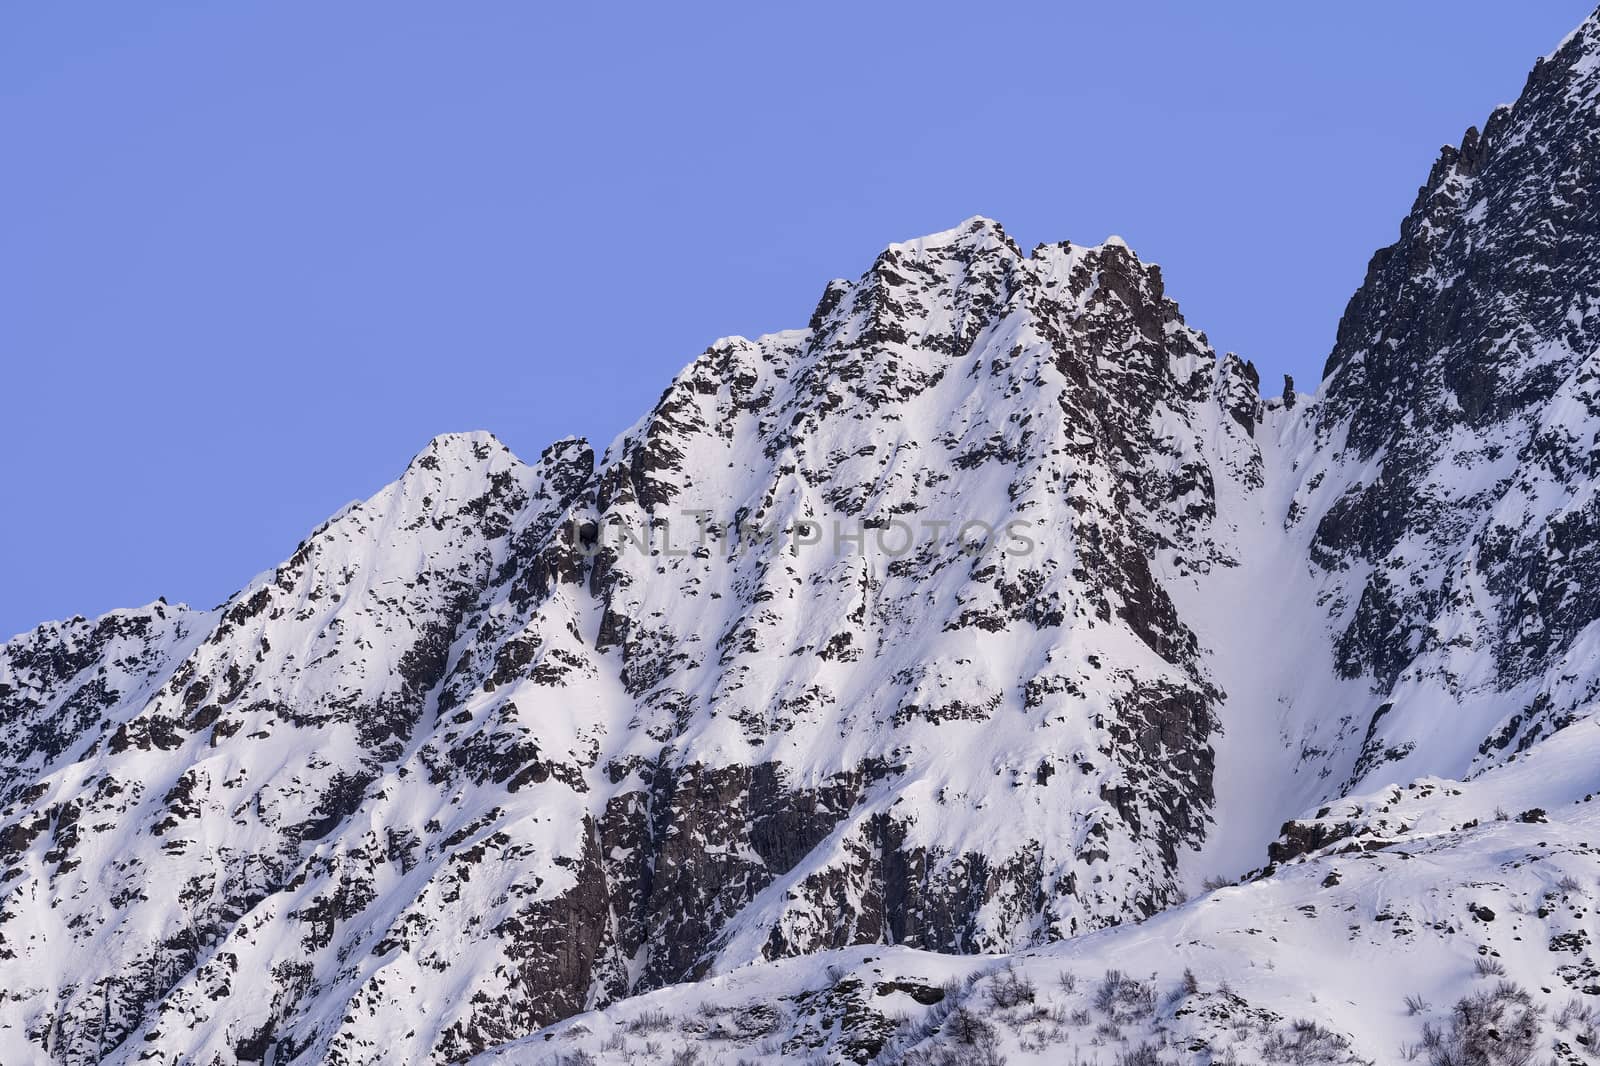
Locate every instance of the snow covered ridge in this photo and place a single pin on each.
(1287, 715)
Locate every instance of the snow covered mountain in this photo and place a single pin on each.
(887, 684)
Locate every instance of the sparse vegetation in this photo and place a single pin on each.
(966, 1026)
(1488, 966)
(1577, 1013)
(975, 1055)
(1123, 998)
(1143, 1055)
(1113, 1021)
(1011, 989)
(1583, 1020)
(1305, 1043)
(1497, 1027)
(650, 1021)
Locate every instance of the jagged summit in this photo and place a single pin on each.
(448, 453)
(158, 607)
(470, 442)
(980, 231)
(977, 230)
(1582, 44)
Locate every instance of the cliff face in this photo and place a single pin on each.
(989, 610)
(1460, 436)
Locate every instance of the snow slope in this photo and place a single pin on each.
(1344, 956)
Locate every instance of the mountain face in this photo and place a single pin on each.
(992, 612)
(1463, 390)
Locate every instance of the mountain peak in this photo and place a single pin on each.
(458, 462)
(470, 446)
(977, 232)
(1584, 40)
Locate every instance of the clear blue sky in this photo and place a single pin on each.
(253, 255)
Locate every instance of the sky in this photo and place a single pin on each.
(254, 255)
